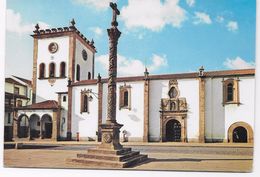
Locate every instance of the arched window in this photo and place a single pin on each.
(89, 75)
(84, 102)
(42, 70)
(64, 98)
(52, 70)
(78, 73)
(172, 106)
(230, 92)
(125, 98)
(85, 108)
(62, 69)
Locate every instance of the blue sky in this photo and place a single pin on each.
(167, 36)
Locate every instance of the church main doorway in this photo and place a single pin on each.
(173, 131)
(240, 135)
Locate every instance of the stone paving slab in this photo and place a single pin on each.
(44, 158)
(71, 143)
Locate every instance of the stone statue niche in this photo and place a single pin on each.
(174, 103)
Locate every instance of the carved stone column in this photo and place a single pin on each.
(110, 131)
(110, 153)
(114, 35)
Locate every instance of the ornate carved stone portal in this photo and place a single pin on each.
(173, 115)
(110, 153)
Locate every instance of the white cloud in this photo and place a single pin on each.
(97, 30)
(15, 24)
(220, 19)
(232, 26)
(238, 63)
(190, 2)
(98, 4)
(152, 14)
(132, 67)
(201, 18)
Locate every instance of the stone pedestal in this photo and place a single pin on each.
(110, 153)
(110, 136)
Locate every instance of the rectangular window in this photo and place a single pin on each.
(84, 102)
(19, 103)
(125, 97)
(9, 118)
(64, 98)
(16, 90)
(230, 91)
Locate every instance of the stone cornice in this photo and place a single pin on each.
(64, 31)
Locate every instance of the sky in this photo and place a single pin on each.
(166, 36)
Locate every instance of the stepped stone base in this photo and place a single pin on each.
(121, 158)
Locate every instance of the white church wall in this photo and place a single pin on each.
(84, 123)
(85, 66)
(189, 88)
(133, 120)
(158, 90)
(214, 110)
(44, 90)
(245, 111)
(104, 103)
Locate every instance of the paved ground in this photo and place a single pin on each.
(166, 157)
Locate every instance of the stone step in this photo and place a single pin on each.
(111, 164)
(108, 151)
(112, 157)
(135, 160)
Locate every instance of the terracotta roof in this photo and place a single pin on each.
(49, 104)
(223, 73)
(12, 81)
(29, 82)
(239, 72)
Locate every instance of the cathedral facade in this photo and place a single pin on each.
(70, 103)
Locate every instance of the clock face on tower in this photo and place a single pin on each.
(84, 55)
(53, 47)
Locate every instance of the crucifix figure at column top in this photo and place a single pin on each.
(115, 13)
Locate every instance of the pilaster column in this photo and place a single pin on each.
(69, 133)
(34, 79)
(146, 107)
(201, 109)
(15, 129)
(54, 126)
(100, 107)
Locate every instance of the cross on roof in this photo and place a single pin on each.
(115, 13)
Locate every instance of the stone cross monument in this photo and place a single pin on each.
(110, 130)
(110, 153)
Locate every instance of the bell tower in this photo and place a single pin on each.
(60, 55)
